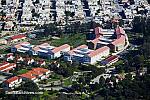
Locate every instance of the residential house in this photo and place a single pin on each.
(36, 74)
(28, 76)
(6, 67)
(12, 82)
(17, 38)
(9, 57)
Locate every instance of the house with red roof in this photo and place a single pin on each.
(6, 67)
(17, 38)
(36, 74)
(110, 60)
(12, 82)
(28, 76)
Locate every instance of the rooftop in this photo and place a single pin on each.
(98, 51)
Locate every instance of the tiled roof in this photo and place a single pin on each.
(120, 40)
(98, 51)
(57, 49)
(111, 58)
(27, 75)
(119, 30)
(40, 69)
(34, 73)
(12, 79)
(4, 63)
(20, 44)
(79, 47)
(8, 67)
(18, 36)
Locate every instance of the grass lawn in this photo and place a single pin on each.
(67, 82)
(22, 71)
(50, 80)
(73, 40)
(54, 77)
(120, 62)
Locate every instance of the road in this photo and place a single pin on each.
(51, 88)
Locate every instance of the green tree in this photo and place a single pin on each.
(138, 24)
(29, 86)
(101, 81)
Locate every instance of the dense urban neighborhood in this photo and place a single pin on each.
(74, 49)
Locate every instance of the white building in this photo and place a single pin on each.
(84, 55)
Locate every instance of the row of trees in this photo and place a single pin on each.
(56, 28)
(141, 25)
(66, 69)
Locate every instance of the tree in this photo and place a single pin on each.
(101, 81)
(29, 86)
(138, 61)
(138, 24)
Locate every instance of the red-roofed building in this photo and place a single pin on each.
(36, 74)
(12, 82)
(118, 44)
(19, 37)
(110, 60)
(84, 55)
(98, 54)
(28, 76)
(58, 51)
(6, 67)
(98, 32)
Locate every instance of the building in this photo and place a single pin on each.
(120, 41)
(17, 38)
(98, 54)
(110, 60)
(23, 47)
(12, 82)
(84, 55)
(118, 44)
(6, 67)
(36, 74)
(76, 54)
(115, 39)
(46, 51)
